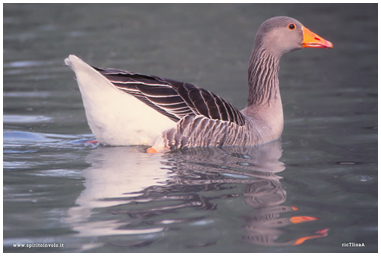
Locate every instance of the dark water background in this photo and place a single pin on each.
(314, 191)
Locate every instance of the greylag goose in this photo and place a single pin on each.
(126, 108)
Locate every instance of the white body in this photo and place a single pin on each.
(115, 117)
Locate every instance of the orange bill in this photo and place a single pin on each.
(311, 40)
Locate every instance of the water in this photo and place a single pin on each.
(314, 191)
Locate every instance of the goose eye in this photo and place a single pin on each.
(291, 26)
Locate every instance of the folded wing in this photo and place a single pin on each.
(172, 98)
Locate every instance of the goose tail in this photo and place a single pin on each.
(115, 117)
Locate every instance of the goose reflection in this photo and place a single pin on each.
(147, 195)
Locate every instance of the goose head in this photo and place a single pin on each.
(280, 35)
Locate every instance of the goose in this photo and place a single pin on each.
(126, 108)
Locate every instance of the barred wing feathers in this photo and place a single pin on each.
(172, 98)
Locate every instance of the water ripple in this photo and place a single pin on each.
(19, 119)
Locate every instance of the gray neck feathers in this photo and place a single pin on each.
(263, 76)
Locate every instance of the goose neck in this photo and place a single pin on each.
(263, 77)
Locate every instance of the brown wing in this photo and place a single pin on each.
(172, 98)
